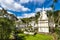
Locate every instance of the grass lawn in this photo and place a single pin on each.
(37, 37)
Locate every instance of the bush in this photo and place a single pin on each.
(57, 30)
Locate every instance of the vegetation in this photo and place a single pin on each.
(57, 31)
(57, 21)
(27, 20)
(6, 27)
(36, 37)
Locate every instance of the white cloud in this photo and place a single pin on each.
(0, 8)
(27, 15)
(12, 5)
(25, 9)
(8, 1)
(39, 9)
(19, 7)
(9, 12)
(39, 1)
(26, 1)
(15, 6)
(48, 8)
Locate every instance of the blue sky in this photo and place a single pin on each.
(27, 8)
(57, 5)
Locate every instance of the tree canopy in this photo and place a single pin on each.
(6, 27)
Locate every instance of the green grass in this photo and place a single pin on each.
(37, 37)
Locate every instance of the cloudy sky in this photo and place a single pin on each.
(26, 8)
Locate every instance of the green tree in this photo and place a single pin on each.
(37, 15)
(6, 27)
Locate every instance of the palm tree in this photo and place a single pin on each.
(50, 19)
(58, 13)
(36, 17)
(57, 17)
(54, 1)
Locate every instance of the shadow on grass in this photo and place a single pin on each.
(20, 38)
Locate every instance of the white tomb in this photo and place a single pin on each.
(43, 22)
